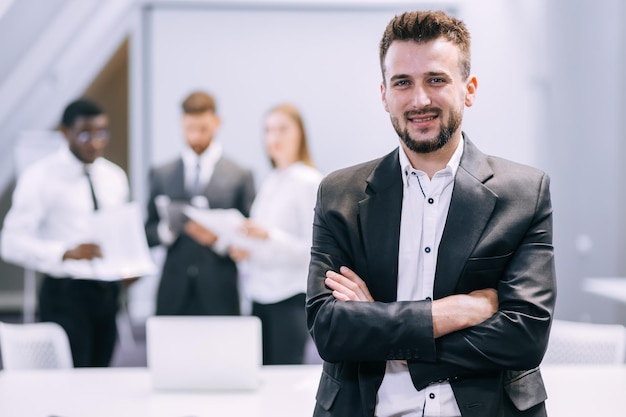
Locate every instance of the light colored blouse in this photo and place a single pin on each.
(277, 269)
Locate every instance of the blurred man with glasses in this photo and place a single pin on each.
(48, 228)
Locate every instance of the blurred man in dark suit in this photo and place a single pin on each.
(198, 277)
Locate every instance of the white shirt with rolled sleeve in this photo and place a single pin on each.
(52, 208)
(278, 267)
(425, 205)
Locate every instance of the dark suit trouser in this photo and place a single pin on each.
(87, 310)
(284, 330)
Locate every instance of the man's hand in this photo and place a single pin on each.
(199, 233)
(347, 285)
(254, 230)
(86, 251)
(238, 254)
(460, 311)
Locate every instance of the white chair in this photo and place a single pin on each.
(586, 343)
(34, 346)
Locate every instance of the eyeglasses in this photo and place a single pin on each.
(86, 136)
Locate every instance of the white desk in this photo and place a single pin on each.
(613, 288)
(289, 391)
(286, 391)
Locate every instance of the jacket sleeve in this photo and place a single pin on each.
(357, 331)
(516, 337)
(247, 192)
(152, 221)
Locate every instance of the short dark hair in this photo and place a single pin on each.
(83, 107)
(199, 102)
(425, 26)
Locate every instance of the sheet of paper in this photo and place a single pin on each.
(171, 211)
(225, 223)
(120, 233)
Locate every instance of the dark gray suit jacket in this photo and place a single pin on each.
(498, 234)
(190, 266)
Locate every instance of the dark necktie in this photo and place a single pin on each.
(93, 193)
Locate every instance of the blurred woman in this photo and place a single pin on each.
(280, 232)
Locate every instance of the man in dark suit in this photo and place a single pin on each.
(432, 284)
(198, 276)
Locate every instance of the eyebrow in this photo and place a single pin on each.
(399, 77)
(428, 74)
(437, 74)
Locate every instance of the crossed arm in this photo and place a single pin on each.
(449, 314)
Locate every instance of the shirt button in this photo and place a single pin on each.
(427, 249)
(431, 396)
(430, 201)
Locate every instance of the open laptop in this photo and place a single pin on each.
(204, 352)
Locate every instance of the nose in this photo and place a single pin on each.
(421, 98)
(97, 143)
(193, 136)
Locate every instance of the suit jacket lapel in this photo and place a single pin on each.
(471, 207)
(214, 187)
(379, 220)
(379, 223)
(220, 185)
(175, 186)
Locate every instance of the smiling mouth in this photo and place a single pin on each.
(422, 116)
(422, 119)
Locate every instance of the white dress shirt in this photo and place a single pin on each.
(425, 205)
(52, 209)
(206, 160)
(278, 267)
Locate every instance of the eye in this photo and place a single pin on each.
(401, 83)
(437, 80)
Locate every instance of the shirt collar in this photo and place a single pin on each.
(207, 158)
(452, 166)
(75, 165)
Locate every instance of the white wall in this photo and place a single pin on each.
(324, 58)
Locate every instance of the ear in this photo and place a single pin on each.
(217, 121)
(470, 92)
(383, 90)
(65, 132)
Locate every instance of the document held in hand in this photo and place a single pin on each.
(225, 223)
(120, 233)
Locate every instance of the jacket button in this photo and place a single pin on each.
(192, 271)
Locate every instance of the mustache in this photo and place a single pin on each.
(426, 110)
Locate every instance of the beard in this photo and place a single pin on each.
(435, 143)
